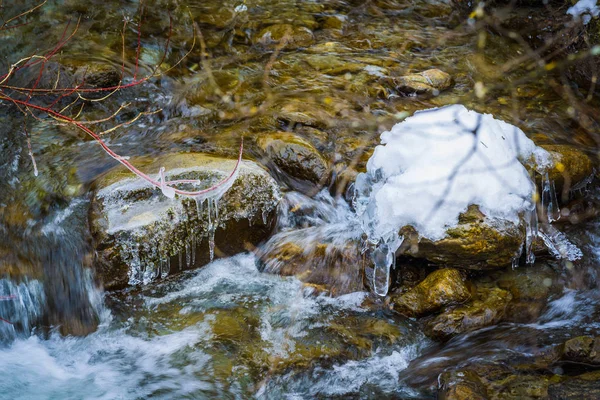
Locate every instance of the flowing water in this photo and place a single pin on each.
(241, 327)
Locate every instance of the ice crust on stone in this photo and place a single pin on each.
(141, 226)
(585, 9)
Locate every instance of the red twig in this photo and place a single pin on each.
(126, 163)
(29, 106)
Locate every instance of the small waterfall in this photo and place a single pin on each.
(22, 306)
(319, 241)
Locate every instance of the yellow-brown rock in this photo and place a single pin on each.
(442, 287)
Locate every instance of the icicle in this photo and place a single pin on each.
(188, 255)
(381, 269)
(161, 267)
(135, 273)
(211, 245)
(531, 233)
(549, 199)
(193, 249)
(209, 213)
(149, 272)
(264, 217)
(199, 205)
(167, 190)
(212, 226)
(384, 259)
(515, 260)
(559, 246)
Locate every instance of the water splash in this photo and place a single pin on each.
(23, 307)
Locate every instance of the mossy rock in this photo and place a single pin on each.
(294, 161)
(486, 309)
(476, 243)
(582, 349)
(461, 385)
(137, 230)
(442, 287)
(334, 21)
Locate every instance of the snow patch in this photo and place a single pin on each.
(585, 9)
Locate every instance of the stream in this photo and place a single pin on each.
(277, 301)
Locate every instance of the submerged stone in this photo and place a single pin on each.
(431, 81)
(141, 234)
(286, 35)
(440, 288)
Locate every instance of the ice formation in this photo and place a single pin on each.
(585, 9)
(432, 166)
(139, 219)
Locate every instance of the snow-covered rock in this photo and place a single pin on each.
(585, 9)
(431, 167)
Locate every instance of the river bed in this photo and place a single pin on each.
(238, 327)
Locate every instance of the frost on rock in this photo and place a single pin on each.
(585, 9)
(141, 231)
(431, 167)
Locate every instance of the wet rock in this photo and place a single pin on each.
(289, 36)
(431, 81)
(440, 288)
(139, 233)
(461, 385)
(332, 65)
(309, 112)
(513, 383)
(530, 288)
(98, 75)
(584, 387)
(571, 168)
(332, 267)
(335, 21)
(295, 161)
(582, 349)
(487, 308)
(475, 243)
